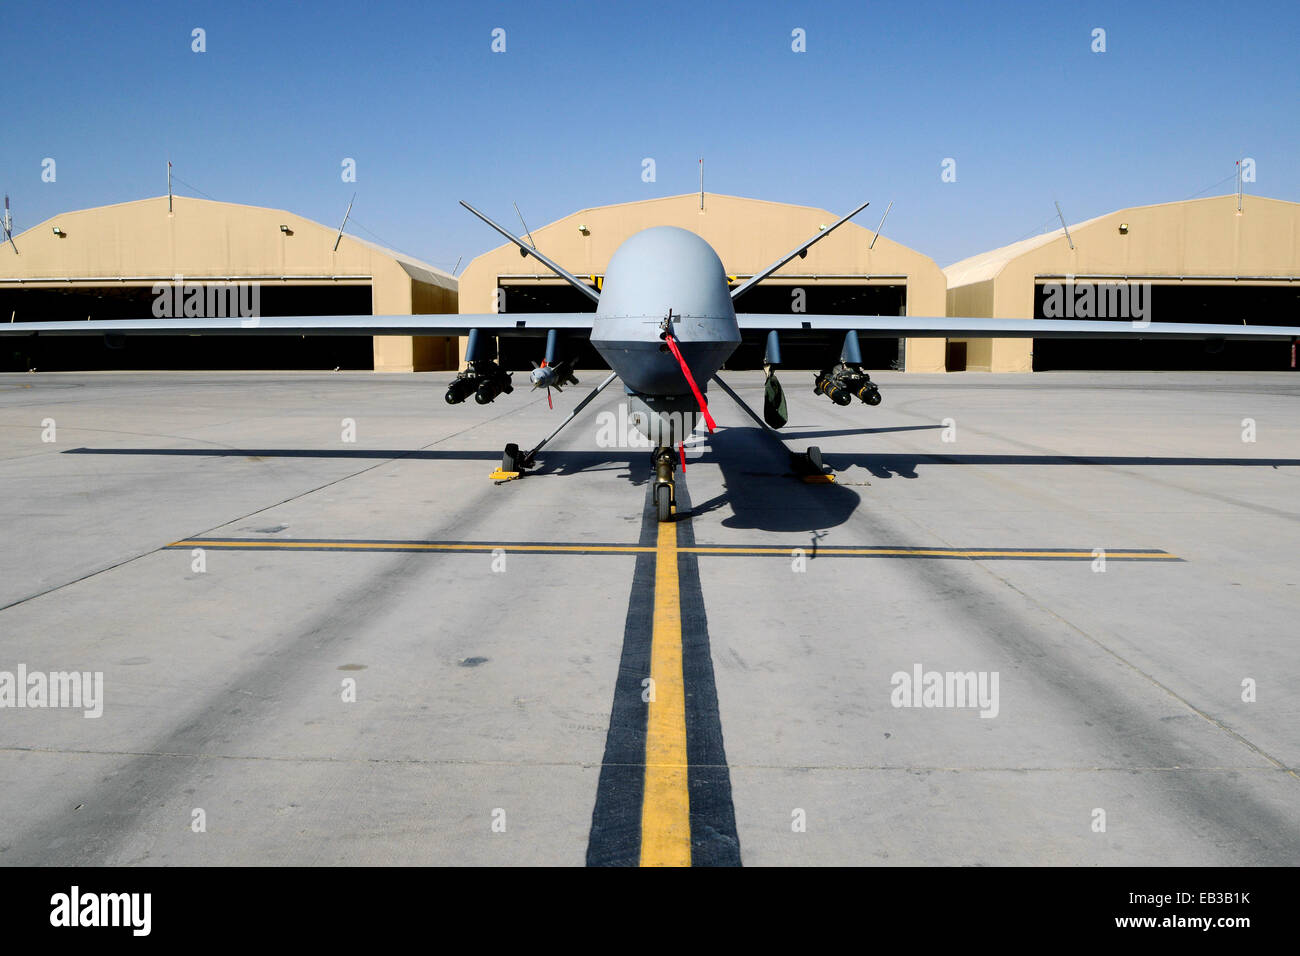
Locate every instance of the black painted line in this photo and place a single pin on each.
(390, 548)
(399, 542)
(615, 838)
(714, 841)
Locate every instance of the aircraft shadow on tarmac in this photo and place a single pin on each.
(896, 465)
(758, 484)
(831, 433)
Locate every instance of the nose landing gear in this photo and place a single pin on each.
(665, 493)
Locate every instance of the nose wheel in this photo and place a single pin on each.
(665, 491)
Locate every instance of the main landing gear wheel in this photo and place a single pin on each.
(809, 466)
(512, 464)
(510, 459)
(815, 458)
(809, 463)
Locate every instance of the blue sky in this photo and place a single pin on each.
(585, 91)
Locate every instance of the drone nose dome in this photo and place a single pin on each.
(664, 268)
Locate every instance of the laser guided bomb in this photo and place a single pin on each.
(486, 380)
(553, 376)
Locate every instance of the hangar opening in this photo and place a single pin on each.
(818, 295)
(1223, 260)
(526, 295)
(114, 262)
(150, 352)
(1223, 303)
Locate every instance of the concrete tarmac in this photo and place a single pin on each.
(325, 637)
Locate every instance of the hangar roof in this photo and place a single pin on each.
(415, 268)
(986, 265)
(199, 238)
(747, 233)
(1192, 237)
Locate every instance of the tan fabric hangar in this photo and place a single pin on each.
(116, 261)
(1201, 260)
(842, 275)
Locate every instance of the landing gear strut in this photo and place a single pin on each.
(514, 462)
(806, 465)
(665, 491)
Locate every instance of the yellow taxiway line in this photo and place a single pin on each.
(272, 544)
(666, 808)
